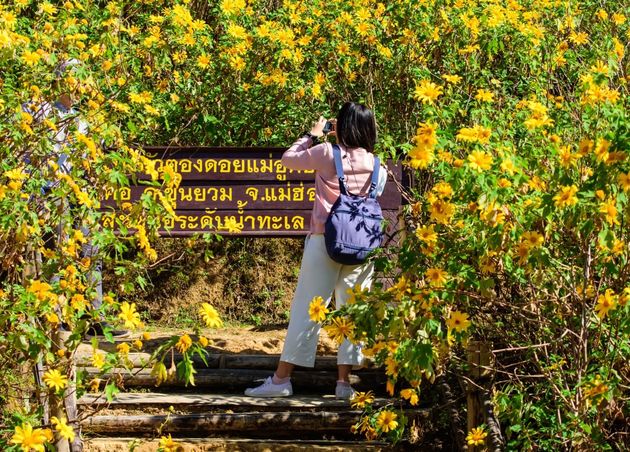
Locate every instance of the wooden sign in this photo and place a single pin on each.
(236, 191)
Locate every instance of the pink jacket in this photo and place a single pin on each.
(357, 166)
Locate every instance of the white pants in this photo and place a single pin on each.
(321, 276)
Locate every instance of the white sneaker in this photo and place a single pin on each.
(269, 389)
(344, 392)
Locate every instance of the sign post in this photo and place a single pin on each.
(238, 191)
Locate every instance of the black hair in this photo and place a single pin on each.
(356, 126)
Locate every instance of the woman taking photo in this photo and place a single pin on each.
(320, 276)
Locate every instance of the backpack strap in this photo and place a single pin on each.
(339, 169)
(374, 182)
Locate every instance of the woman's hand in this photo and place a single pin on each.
(333, 132)
(318, 128)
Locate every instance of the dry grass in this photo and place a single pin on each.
(247, 280)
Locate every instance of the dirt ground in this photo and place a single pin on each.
(230, 339)
(257, 340)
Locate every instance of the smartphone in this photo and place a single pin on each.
(328, 127)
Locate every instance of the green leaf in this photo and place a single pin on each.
(132, 127)
(515, 428)
(110, 391)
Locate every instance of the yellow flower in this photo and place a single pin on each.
(606, 302)
(341, 328)
(479, 161)
(391, 367)
(585, 146)
(95, 384)
(443, 189)
(478, 133)
(508, 166)
(426, 135)
(484, 95)
(29, 438)
(420, 157)
(361, 399)
(492, 213)
(389, 387)
(566, 197)
(600, 68)
(123, 348)
(532, 239)
(427, 234)
(537, 183)
(596, 388)
(232, 6)
(31, 58)
(458, 321)
(602, 150)
(476, 437)
(52, 318)
(427, 92)
(210, 315)
(138, 344)
(579, 38)
(442, 211)
(184, 343)
(363, 29)
(504, 183)
(152, 110)
(41, 290)
(144, 97)
(567, 158)
(167, 444)
(78, 302)
(317, 309)
(232, 226)
(55, 380)
(620, 50)
(386, 421)
(411, 395)
(203, 61)
(538, 119)
(454, 79)
(203, 341)
(48, 8)
(436, 276)
(182, 16)
(129, 315)
(98, 360)
(487, 265)
(65, 431)
(146, 336)
(609, 209)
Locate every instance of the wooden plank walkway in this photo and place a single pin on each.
(224, 380)
(216, 409)
(256, 424)
(143, 400)
(237, 445)
(223, 361)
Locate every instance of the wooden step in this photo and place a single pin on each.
(227, 361)
(237, 445)
(255, 424)
(225, 380)
(216, 402)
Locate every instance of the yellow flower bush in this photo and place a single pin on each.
(518, 107)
